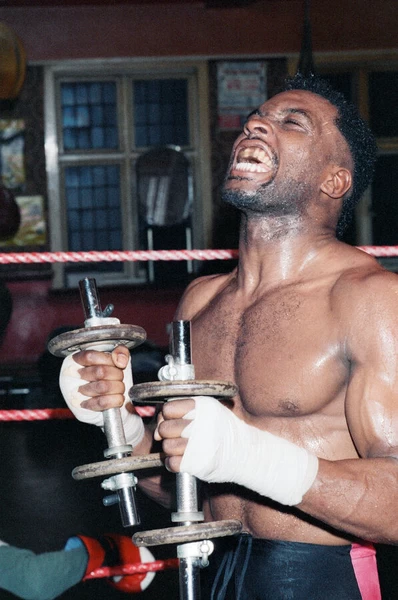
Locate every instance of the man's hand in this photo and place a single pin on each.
(93, 381)
(207, 440)
(104, 374)
(173, 419)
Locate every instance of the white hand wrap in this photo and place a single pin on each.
(70, 381)
(223, 448)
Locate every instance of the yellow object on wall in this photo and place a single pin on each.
(12, 63)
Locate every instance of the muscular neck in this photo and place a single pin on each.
(276, 250)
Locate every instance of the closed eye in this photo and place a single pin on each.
(294, 124)
(287, 121)
(303, 121)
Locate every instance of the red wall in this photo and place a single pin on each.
(267, 27)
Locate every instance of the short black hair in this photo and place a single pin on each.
(356, 132)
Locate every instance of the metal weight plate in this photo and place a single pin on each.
(187, 533)
(80, 339)
(154, 392)
(118, 465)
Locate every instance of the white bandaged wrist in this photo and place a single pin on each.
(223, 448)
(70, 382)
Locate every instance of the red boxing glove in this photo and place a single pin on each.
(113, 550)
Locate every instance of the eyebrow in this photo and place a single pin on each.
(287, 111)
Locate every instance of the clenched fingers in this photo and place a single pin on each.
(103, 395)
(170, 430)
(173, 444)
(171, 420)
(119, 357)
(102, 373)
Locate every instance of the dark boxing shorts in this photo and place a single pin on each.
(252, 569)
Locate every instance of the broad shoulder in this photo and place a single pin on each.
(365, 283)
(365, 297)
(199, 293)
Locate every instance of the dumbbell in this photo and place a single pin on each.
(177, 380)
(103, 332)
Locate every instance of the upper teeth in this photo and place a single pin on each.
(253, 159)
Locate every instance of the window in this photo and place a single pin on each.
(100, 120)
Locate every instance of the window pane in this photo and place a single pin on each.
(95, 220)
(97, 137)
(89, 115)
(140, 136)
(69, 139)
(97, 115)
(383, 95)
(81, 93)
(161, 112)
(68, 94)
(68, 119)
(99, 175)
(110, 137)
(112, 174)
(95, 93)
(385, 201)
(109, 93)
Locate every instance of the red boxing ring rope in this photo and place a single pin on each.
(380, 251)
(147, 255)
(114, 256)
(47, 414)
(123, 256)
(43, 414)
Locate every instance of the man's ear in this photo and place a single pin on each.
(337, 183)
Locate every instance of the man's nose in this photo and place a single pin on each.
(255, 126)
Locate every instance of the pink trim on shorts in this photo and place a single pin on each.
(363, 558)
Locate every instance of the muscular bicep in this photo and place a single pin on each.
(372, 394)
(372, 414)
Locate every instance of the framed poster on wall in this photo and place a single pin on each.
(241, 88)
(12, 149)
(32, 230)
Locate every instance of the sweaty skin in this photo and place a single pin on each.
(306, 326)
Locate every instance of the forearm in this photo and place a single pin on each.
(146, 445)
(40, 576)
(159, 487)
(356, 496)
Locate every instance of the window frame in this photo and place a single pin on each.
(124, 71)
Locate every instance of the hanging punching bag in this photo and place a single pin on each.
(10, 215)
(12, 63)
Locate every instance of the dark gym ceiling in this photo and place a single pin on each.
(205, 3)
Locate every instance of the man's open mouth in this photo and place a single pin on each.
(254, 160)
